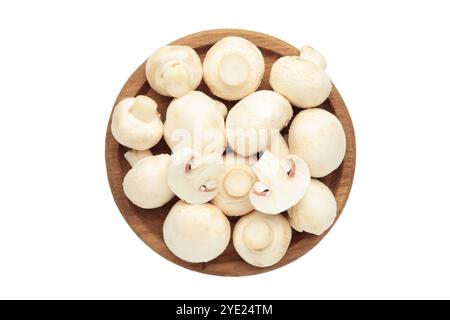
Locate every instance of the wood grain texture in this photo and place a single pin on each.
(147, 224)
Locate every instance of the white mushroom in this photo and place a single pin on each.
(253, 121)
(222, 108)
(316, 212)
(233, 68)
(318, 137)
(234, 186)
(196, 233)
(193, 177)
(302, 82)
(261, 239)
(278, 146)
(314, 56)
(282, 183)
(134, 156)
(145, 184)
(195, 121)
(174, 70)
(136, 123)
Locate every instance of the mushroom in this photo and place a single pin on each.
(318, 137)
(222, 108)
(234, 186)
(282, 183)
(174, 70)
(314, 56)
(136, 124)
(278, 146)
(193, 177)
(145, 184)
(233, 68)
(196, 233)
(316, 212)
(134, 156)
(253, 121)
(302, 82)
(195, 121)
(261, 239)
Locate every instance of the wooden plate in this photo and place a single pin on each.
(147, 224)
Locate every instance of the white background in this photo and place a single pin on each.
(62, 65)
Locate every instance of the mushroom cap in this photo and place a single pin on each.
(253, 121)
(222, 108)
(145, 184)
(136, 124)
(314, 56)
(318, 137)
(193, 177)
(282, 183)
(174, 70)
(196, 233)
(234, 186)
(195, 121)
(233, 68)
(302, 82)
(279, 146)
(316, 212)
(262, 239)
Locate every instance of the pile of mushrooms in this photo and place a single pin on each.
(233, 165)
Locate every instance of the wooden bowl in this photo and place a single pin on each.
(147, 224)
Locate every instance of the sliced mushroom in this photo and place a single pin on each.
(253, 121)
(302, 82)
(314, 56)
(193, 177)
(174, 70)
(195, 121)
(318, 137)
(234, 186)
(261, 239)
(282, 183)
(134, 156)
(316, 212)
(196, 233)
(145, 184)
(136, 123)
(233, 68)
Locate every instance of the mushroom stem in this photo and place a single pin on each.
(237, 183)
(257, 235)
(176, 78)
(143, 110)
(234, 69)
